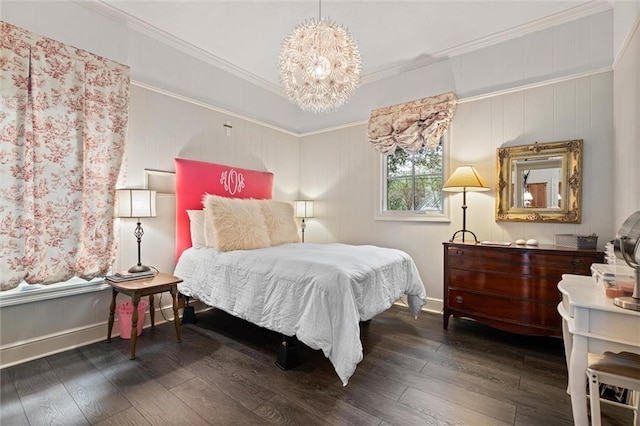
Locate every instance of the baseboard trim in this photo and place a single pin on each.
(434, 306)
(28, 350)
(39, 347)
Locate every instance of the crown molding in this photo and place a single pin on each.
(530, 86)
(573, 14)
(559, 18)
(136, 24)
(212, 107)
(164, 37)
(627, 41)
(332, 129)
(461, 100)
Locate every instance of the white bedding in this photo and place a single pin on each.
(317, 292)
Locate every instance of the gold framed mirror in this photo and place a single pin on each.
(541, 182)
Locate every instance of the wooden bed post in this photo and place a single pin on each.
(288, 353)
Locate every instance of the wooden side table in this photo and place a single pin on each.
(140, 288)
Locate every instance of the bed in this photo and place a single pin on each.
(317, 293)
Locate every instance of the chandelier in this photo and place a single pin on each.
(319, 65)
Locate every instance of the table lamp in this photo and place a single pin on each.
(303, 209)
(464, 179)
(137, 203)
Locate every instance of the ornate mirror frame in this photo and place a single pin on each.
(567, 154)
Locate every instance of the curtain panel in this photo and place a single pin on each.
(412, 124)
(63, 125)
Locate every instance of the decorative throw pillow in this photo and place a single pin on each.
(281, 226)
(238, 223)
(196, 226)
(209, 232)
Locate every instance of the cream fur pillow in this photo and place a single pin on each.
(238, 224)
(281, 226)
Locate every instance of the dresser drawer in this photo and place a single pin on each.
(521, 261)
(505, 309)
(504, 284)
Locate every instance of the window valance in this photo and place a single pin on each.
(412, 124)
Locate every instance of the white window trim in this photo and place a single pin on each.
(403, 216)
(37, 293)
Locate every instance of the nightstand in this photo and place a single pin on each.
(140, 288)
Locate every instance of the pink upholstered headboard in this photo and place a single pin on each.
(194, 179)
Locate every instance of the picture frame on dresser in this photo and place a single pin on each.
(510, 288)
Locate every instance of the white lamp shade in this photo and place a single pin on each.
(303, 208)
(136, 203)
(465, 178)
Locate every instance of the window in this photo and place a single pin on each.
(412, 184)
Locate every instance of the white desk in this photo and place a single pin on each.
(591, 323)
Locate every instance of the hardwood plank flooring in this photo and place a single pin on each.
(223, 373)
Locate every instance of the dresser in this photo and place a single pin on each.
(512, 288)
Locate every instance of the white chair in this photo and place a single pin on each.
(622, 370)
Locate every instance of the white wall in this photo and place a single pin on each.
(340, 170)
(626, 172)
(625, 15)
(162, 128)
(505, 100)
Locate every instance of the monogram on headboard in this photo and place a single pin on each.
(233, 181)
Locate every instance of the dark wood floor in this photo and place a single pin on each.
(223, 372)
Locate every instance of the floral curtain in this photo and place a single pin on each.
(412, 124)
(63, 122)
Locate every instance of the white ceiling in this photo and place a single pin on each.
(244, 37)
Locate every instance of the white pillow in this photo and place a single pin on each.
(238, 223)
(197, 228)
(281, 226)
(209, 232)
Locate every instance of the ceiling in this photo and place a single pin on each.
(244, 37)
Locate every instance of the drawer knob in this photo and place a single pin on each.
(460, 252)
(459, 299)
(577, 262)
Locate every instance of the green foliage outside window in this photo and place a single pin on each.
(414, 180)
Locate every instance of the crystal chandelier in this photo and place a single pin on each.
(319, 65)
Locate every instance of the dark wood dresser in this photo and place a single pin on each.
(512, 288)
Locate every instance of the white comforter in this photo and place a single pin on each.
(317, 292)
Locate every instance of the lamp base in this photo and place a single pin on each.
(462, 232)
(139, 268)
(632, 303)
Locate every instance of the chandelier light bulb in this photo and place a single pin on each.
(319, 66)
